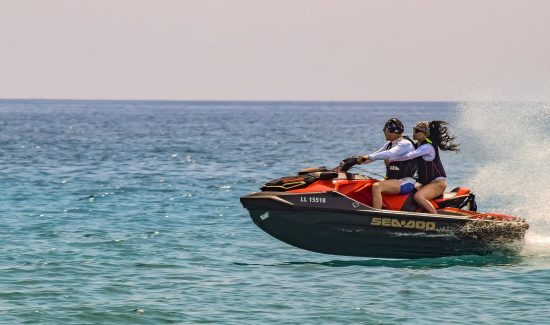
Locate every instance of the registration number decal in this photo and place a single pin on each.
(313, 199)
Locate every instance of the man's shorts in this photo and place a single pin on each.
(407, 185)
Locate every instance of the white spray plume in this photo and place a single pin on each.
(510, 141)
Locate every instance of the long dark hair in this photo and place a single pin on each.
(440, 136)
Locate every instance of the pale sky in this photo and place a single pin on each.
(273, 49)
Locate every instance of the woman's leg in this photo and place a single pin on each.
(428, 192)
(389, 186)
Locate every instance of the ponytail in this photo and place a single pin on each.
(441, 137)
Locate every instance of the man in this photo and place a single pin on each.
(399, 174)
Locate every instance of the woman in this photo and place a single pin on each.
(431, 136)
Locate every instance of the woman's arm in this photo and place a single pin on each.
(424, 150)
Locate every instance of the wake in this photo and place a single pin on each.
(510, 144)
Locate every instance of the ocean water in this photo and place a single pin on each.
(128, 212)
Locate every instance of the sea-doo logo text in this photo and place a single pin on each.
(396, 223)
(313, 199)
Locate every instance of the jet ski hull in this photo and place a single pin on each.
(332, 223)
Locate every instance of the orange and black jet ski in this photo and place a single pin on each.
(329, 211)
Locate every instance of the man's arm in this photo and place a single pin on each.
(365, 159)
(401, 148)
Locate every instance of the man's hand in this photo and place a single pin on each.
(362, 159)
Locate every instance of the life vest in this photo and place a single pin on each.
(401, 169)
(430, 170)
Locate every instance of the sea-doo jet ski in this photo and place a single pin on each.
(330, 211)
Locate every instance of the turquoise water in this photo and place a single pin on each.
(127, 212)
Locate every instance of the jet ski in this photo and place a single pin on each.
(330, 211)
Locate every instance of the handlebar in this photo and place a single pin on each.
(346, 164)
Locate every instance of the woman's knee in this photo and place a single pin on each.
(419, 196)
(376, 187)
(442, 187)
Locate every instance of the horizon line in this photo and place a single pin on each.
(261, 100)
